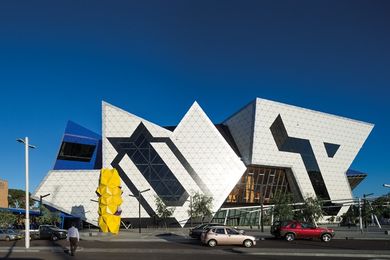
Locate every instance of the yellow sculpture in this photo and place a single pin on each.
(110, 199)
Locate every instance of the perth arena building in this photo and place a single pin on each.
(263, 149)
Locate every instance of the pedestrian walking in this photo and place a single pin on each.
(73, 237)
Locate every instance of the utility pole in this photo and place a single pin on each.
(191, 210)
(262, 209)
(40, 202)
(360, 216)
(365, 208)
(27, 221)
(138, 197)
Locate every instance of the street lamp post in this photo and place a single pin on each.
(365, 208)
(40, 202)
(27, 222)
(139, 207)
(191, 210)
(190, 201)
(360, 215)
(261, 212)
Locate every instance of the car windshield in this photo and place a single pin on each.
(51, 226)
(10, 231)
(281, 223)
(201, 226)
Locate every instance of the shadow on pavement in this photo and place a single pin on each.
(64, 248)
(178, 239)
(10, 250)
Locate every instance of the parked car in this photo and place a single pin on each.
(9, 234)
(221, 235)
(48, 232)
(275, 227)
(293, 229)
(197, 231)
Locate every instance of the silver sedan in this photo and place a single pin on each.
(220, 235)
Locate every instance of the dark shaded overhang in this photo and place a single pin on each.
(355, 178)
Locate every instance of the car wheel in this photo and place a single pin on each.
(248, 243)
(290, 237)
(54, 238)
(212, 243)
(326, 237)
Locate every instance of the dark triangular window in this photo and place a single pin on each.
(331, 149)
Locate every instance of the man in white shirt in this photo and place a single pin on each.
(73, 237)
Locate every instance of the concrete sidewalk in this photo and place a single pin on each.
(133, 235)
(315, 253)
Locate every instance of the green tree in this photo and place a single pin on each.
(381, 206)
(163, 212)
(48, 217)
(282, 209)
(311, 210)
(351, 216)
(6, 219)
(201, 206)
(17, 198)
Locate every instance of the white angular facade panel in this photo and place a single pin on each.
(71, 191)
(209, 154)
(207, 163)
(180, 213)
(241, 126)
(318, 128)
(119, 123)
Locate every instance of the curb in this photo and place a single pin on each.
(316, 253)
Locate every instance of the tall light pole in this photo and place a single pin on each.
(139, 206)
(191, 210)
(365, 208)
(190, 201)
(261, 212)
(262, 208)
(27, 222)
(360, 215)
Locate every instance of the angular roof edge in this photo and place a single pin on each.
(253, 102)
(316, 111)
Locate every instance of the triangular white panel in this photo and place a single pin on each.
(120, 123)
(71, 191)
(209, 154)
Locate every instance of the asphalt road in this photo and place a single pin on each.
(191, 249)
(194, 244)
(124, 256)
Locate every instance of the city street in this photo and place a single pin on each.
(191, 249)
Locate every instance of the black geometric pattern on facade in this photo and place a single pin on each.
(304, 148)
(139, 149)
(331, 149)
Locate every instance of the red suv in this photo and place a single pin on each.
(293, 229)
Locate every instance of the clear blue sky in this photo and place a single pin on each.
(60, 59)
